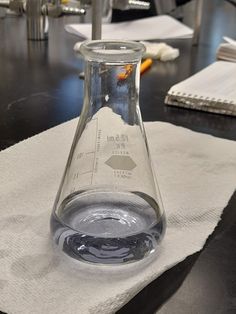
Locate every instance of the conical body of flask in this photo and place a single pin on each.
(108, 208)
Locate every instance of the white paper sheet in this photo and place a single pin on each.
(157, 27)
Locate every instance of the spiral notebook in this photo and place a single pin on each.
(213, 89)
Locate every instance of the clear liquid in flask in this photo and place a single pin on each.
(109, 227)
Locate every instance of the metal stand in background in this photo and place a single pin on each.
(97, 9)
(168, 6)
(37, 12)
(165, 6)
(97, 6)
(198, 21)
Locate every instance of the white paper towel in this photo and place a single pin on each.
(196, 175)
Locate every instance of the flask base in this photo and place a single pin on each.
(107, 227)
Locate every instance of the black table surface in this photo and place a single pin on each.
(40, 88)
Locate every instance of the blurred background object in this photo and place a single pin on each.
(37, 12)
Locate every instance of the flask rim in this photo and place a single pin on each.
(112, 50)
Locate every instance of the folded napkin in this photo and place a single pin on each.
(160, 51)
(196, 175)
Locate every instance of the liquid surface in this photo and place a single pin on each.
(108, 227)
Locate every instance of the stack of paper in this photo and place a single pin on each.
(157, 27)
(227, 52)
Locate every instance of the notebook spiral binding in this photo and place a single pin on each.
(192, 101)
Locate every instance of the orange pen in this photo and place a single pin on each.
(145, 65)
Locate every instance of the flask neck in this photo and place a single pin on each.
(114, 85)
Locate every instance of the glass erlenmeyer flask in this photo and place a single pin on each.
(108, 209)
